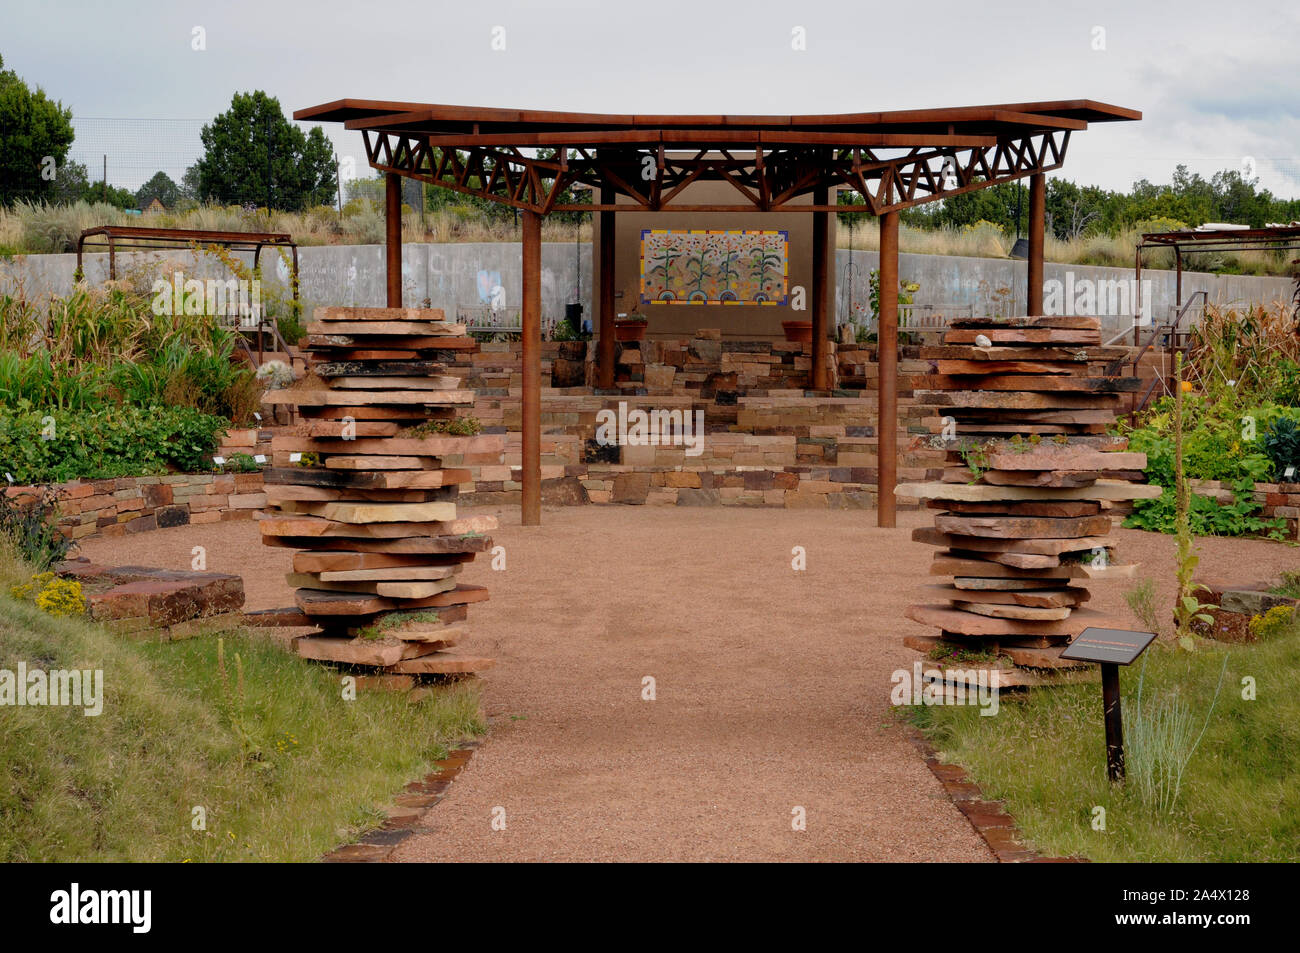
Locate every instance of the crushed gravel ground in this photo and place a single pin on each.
(771, 686)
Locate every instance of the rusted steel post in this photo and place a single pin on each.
(1114, 721)
(1178, 279)
(607, 347)
(1037, 227)
(820, 291)
(393, 224)
(530, 475)
(887, 373)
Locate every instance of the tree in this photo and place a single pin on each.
(160, 187)
(252, 155)
(35, 133)
(190, 184)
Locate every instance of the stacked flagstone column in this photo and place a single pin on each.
(367, 500)
(1022, 521)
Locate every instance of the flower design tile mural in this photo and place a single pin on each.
(714, 267)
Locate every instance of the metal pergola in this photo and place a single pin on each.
(1270, 238)
(142, 238)
(527, 159)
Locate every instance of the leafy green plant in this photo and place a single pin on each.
(1281, 442)
(240, 462)
(976, 459)
(57, 446)
(952, 652)
(1187, 608)
(455, 426)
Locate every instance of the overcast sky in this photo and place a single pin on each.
(1216, 81)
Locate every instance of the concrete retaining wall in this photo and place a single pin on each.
(452, 275)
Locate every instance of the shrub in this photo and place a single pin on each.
(31, 529)
(1275, 621)
(37, 446)
(61, 597)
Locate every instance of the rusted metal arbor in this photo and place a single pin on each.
(116, 237)
(1170, 334)
(527, 159)
(144, 238)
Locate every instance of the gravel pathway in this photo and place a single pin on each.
(771, 686)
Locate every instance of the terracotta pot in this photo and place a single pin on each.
(629, 330)
(797, 331)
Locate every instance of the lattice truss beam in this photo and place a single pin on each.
(766, 178)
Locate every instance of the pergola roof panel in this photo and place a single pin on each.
(770, 159)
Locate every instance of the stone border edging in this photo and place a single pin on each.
(404, 820)
(990, 819)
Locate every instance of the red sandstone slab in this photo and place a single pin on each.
(317, 602)
(1048, 508)
(347, 561)
(1039, 547)
(964, 490)
(359, 651)
(1018, 399)
(167, 601)
(368, 329)
(281, 493)
(1076, 357)
(1011, 336)
(361, 398)
(378, 314)
(400, 446)
(1054, 383)
(1040, 478)
(1072, 321)
(314, 526)
(970, 624)
(1024, 527)
(406, 342)
(1034, 598)
(946, 564)
(948, 367)
(443, 663)
(1050, 456)
(346, 479)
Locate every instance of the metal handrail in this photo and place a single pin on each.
(1168, 327)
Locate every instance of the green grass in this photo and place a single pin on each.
(286, 773)
(1239, 798)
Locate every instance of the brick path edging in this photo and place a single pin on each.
(406, 817)
(990, 819)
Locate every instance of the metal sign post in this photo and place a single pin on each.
(1110, 648)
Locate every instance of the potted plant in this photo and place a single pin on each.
(797, 331)
(630, 327)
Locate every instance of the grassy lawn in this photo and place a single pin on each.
(1239, 798)
(284, 767)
